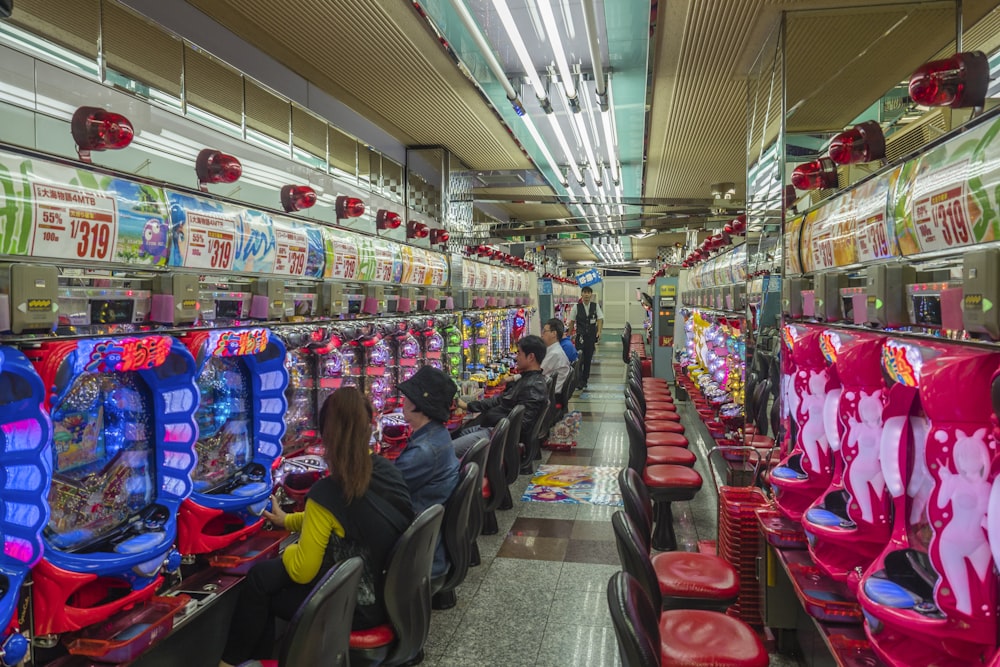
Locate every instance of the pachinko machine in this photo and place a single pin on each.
(124, 430)
(241, 381)
(715, 360)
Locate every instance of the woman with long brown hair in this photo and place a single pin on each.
(360, 509)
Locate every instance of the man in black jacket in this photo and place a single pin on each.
(586, 325)
(530, 391)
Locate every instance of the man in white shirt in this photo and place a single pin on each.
(587, 323)
(555, 362)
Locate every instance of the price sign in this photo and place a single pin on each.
(406, 256)
(438, 269)
(942, 219)
(468, 274)
(209, 241)
(383, 261)
(291, 250)
(345, 262)
(73, 224)
(420, 274)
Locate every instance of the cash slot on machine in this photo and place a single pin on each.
(28, 297)
(791, 295)
(826, 295)
(854, 304)
(340, 301)
(887, 305)
(981, 293)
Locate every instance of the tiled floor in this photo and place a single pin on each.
(539, 596)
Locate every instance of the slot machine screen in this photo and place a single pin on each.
(225, 444)
(927, 310)
(104, 464)
(848, 303)
(112, 311)
(229, 310)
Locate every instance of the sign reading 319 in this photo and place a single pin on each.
(73, 224)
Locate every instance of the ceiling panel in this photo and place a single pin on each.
(378, 59)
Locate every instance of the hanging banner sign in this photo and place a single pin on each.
(73, 224)
(202, 231)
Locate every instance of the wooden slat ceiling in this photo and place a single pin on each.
(371, 56)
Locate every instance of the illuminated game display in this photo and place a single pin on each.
(25, 446)
(431, 343)
(123, 451)
(241, 382)
(300, 364)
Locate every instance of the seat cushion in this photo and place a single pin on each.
(695, 637)
(662, 416)
(664, 426)
(672, 456)
(377, 637)
(695, 575)
(759, 441)
(671, 477)
(665, 439)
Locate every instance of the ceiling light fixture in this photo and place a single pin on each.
(552, 30)
(491, 60)
(533, 131)
(610, 141)
(561, 138)
(584, 138)
(507, 19)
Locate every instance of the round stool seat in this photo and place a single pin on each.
(673, 456)
(665, 426)
(671, 477)
(690, 574)
(664, 439)
(662, 415)
(693, 637)
(759, 441)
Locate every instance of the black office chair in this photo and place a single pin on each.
(320, 631)
(562, 397)
(533, 443)
(478, 454)
(407, 598)
(635, 620)
(458, 540)
(512, 452)
(494, 489)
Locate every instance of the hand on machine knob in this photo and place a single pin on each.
(275, 515)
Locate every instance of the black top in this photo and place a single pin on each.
(586, 322)
(372, 525)
(530, 391)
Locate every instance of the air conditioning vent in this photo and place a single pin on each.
(911, 138)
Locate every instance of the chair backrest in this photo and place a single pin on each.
(562, 399)
(626, 343)
(455, 526)
(320, 631)
(511, 450)
(636, 622)
(636, 442)
(635, 560)
(494, 465)
(408, 585)
(635, 499)
(479, 454)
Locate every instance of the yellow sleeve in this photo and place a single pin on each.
(303, 560)
(293, 522)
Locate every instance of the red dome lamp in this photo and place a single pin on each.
(958, 81)
(864, 142)
(214, 166)
(387, 220)
(297, 197)
(439, 236)
(96, 129)
(819, 174)
(416, 230)
(350, 207)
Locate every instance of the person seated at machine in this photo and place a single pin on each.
(555, 362)
(428, 463)
(566, 342)
(530, 391)
(360, 509)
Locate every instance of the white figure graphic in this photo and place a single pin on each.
(921, 483)
(812, 433)
(865, 472)
(963, 538)
(993, 519)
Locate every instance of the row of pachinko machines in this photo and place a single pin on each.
(886, 497)
(136, 466)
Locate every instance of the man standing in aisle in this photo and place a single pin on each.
(587, 323)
